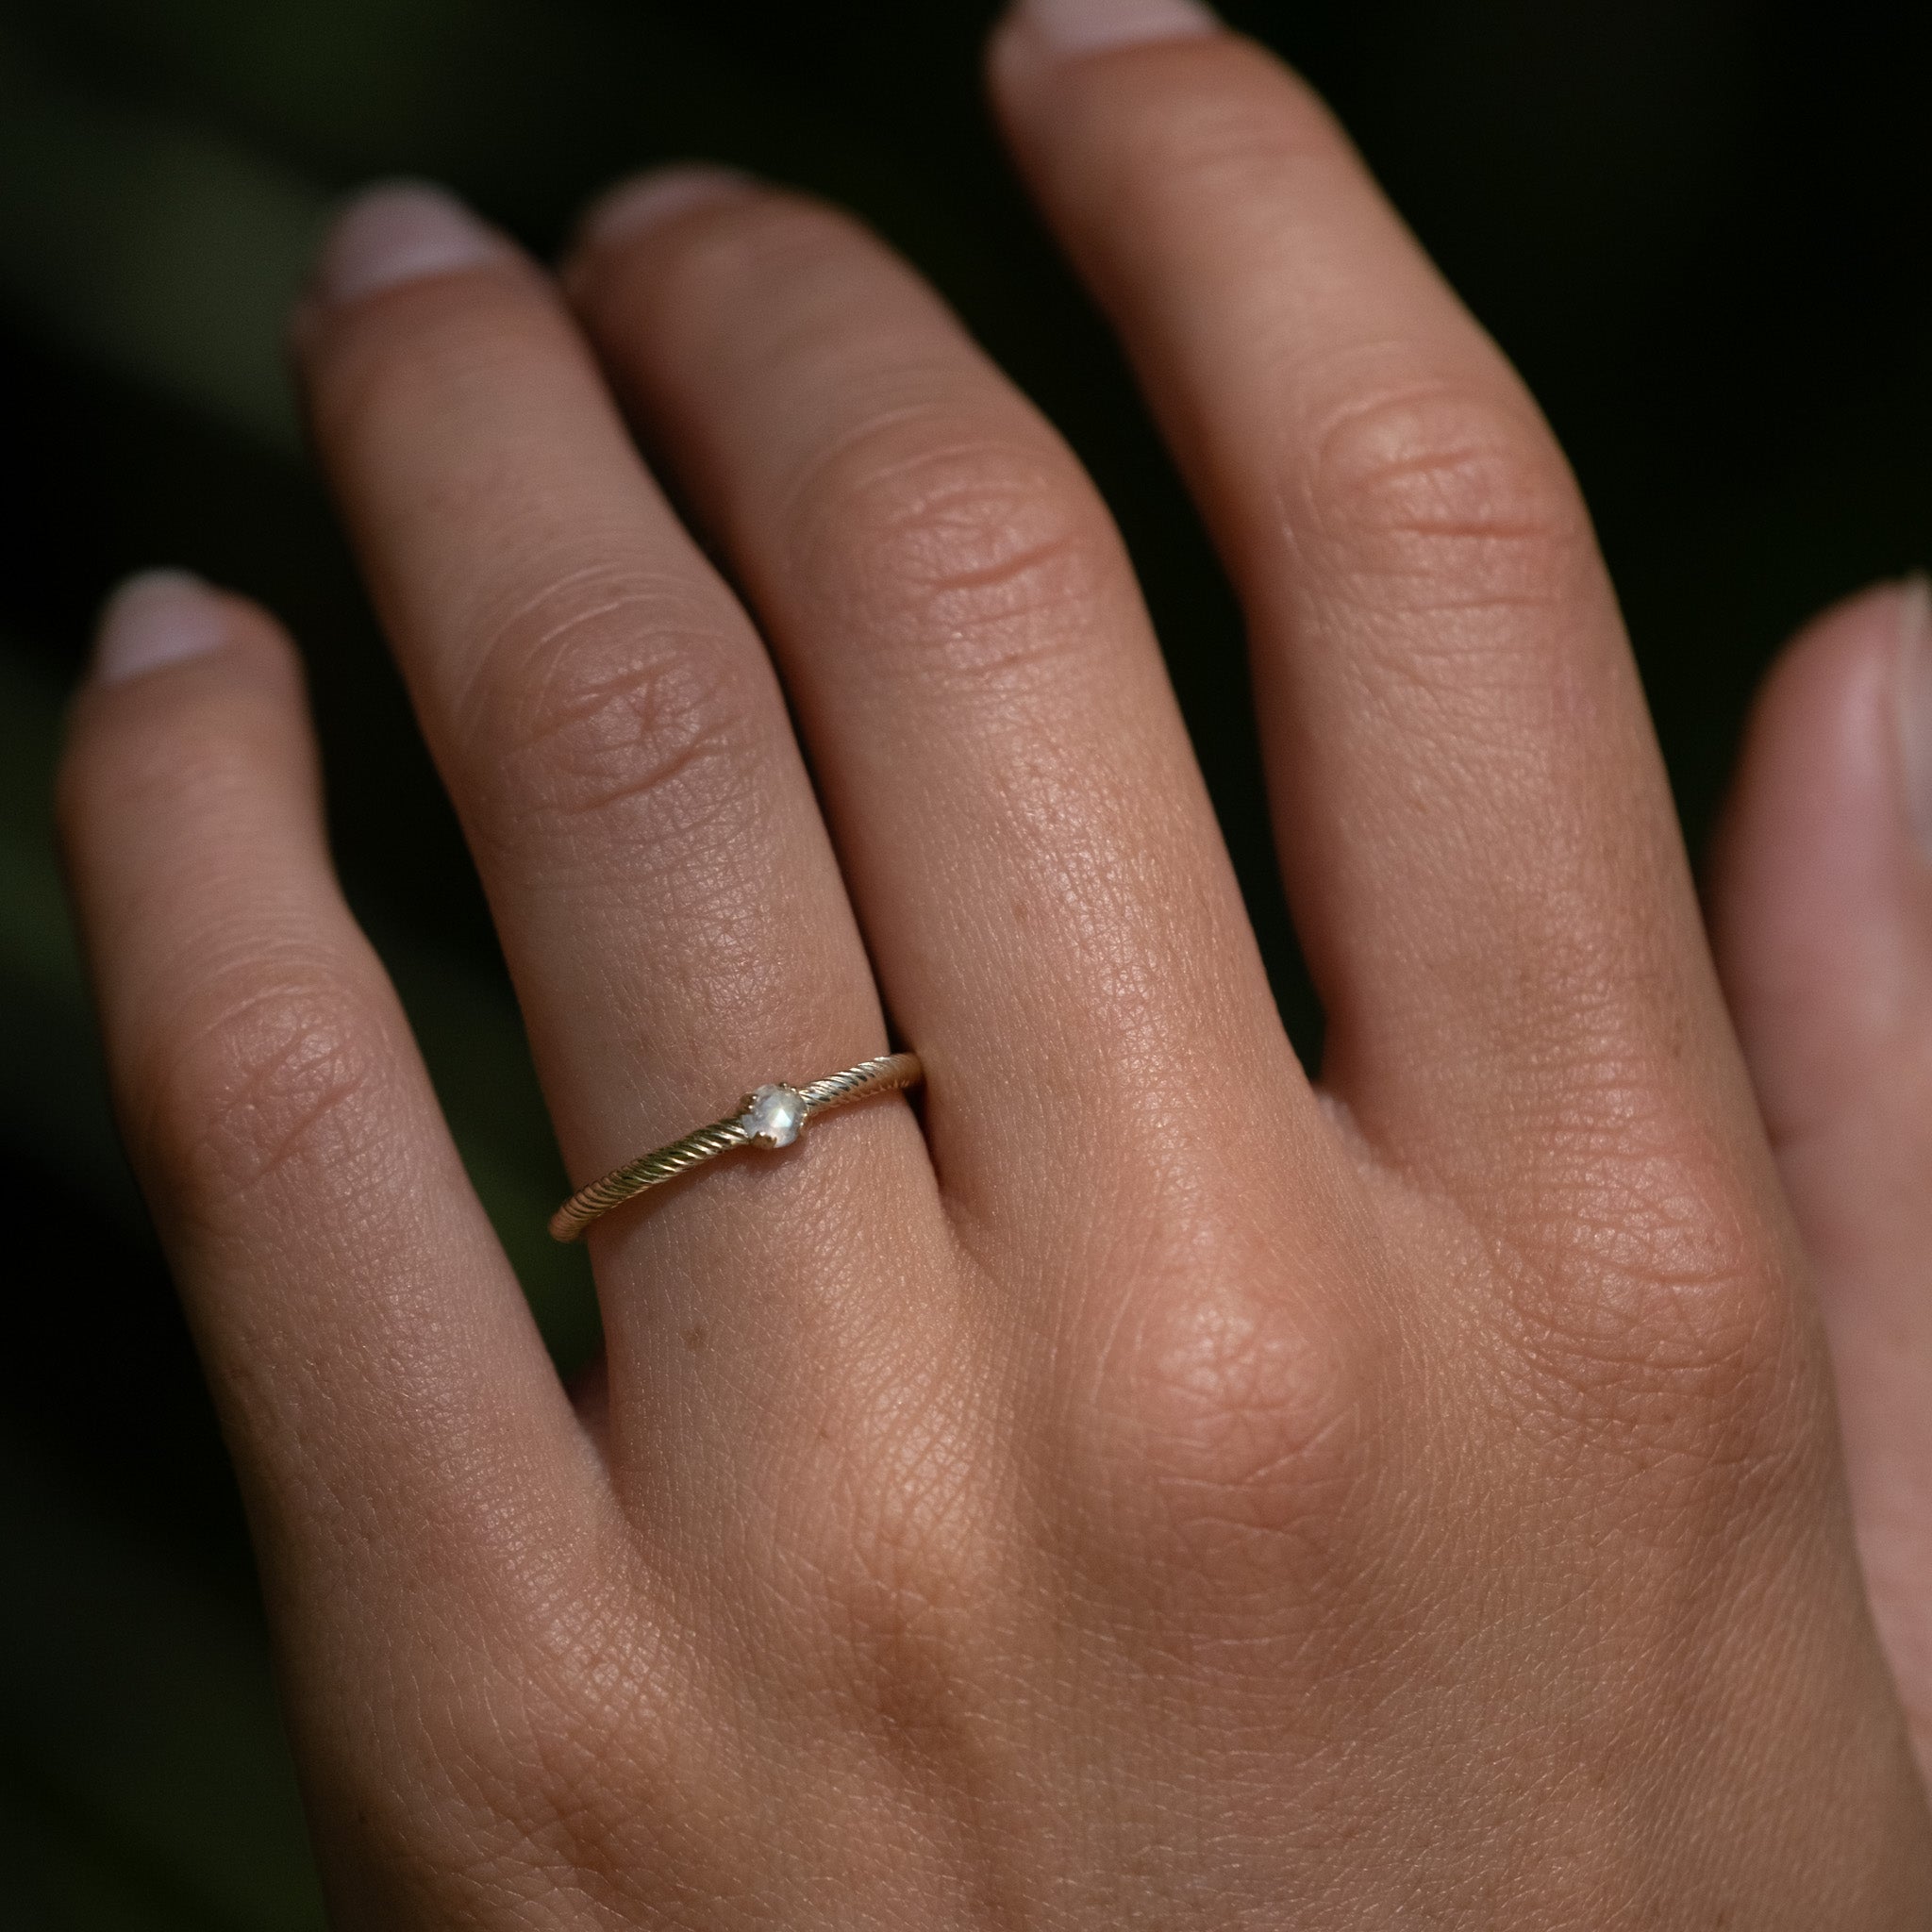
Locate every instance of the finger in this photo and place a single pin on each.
(617, 746)
(1043, 888)
(394, 1418)
(1821, 913)
(1477, 835)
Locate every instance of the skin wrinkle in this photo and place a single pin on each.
(294, 1070)
(917, 433)
(649, 731)
(1404, 474)
(574, 593)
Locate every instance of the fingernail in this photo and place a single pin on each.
(159, 617)
(644, 201)
(1070, 28)
(400, 231)
(1915, 704)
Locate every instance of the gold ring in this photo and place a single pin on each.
(772, 1116)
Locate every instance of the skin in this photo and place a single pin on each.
(1141, 1488)
(1822, 915)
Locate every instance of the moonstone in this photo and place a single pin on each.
(775, 1116)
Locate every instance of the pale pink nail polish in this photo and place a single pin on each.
(159, 617)
(645, 201)
(1073, 28)
(1915, 705)
(400, 231)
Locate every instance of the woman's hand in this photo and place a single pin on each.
(1141, 1491)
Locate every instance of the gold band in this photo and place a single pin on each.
(775, 1116)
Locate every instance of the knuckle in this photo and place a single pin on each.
(1667, 1329)
(1461, 495)
(1228, 1429)
(985, 555)
(606, 698)
(270, 1077)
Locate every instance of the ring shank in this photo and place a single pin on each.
(889, 1074)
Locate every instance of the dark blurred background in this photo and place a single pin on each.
(1700, 226)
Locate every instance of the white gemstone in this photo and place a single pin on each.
(775, 1116)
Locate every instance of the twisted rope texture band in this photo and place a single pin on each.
(886, 1075)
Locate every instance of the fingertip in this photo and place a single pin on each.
(156, 618)
(389, 235)
(161, 618)
(1816, 882)
(1818, 759)
(400, 231)
(639, 203)
(608, 232)
(179, 668)
(1037, 42)
(1054, 30)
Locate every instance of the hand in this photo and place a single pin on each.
(1139, 1489)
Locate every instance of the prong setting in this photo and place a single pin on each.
(774, 1116)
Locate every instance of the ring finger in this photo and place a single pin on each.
(1028, 844)
(617, 746)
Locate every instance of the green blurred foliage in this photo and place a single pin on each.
(1699, 225)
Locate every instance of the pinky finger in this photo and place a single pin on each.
(392, 1411)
